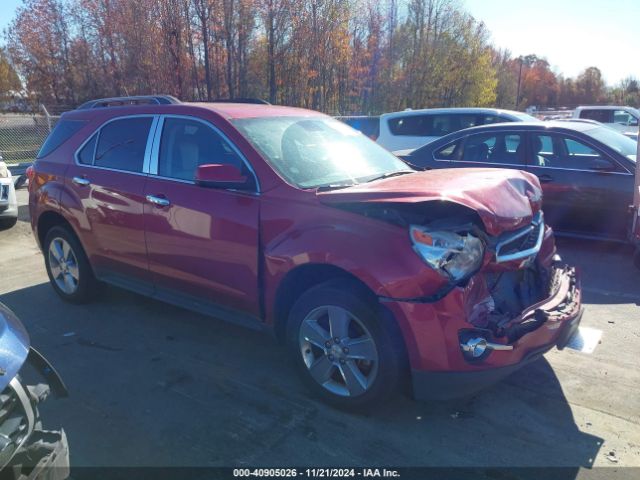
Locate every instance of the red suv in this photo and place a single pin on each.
(290, 220)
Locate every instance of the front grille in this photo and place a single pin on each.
(523, 243)
(16, 420)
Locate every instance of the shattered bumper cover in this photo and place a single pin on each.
(439, 368)
(44, 457)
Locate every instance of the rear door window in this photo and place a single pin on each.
(431, 125)
(599, 115)
(122, 144)
(411, 125)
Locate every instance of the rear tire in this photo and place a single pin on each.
(7, 223)
(67, 266)
(341, 347)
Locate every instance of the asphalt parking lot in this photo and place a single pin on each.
(155, 385)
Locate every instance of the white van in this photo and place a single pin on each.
(411, 129)
(623, 119)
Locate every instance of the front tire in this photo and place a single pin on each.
(341, 346)
(67, 266)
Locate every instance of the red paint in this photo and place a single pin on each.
(236, 248)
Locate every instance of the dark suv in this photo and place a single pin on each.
(290, 220)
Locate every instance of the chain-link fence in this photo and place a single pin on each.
(22, 135)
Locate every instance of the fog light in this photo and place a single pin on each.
(474, 347)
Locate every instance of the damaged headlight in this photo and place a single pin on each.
(453, 256)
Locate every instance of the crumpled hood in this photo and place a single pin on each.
(14, 345)
(504, 199)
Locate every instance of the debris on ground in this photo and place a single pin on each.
(461, 414)
(611, 456)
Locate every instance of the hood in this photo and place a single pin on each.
(504, 199)
(14, 345)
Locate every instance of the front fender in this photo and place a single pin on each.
(378, 254)
(14, 345)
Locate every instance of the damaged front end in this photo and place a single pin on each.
(27, 450)
(495, 295)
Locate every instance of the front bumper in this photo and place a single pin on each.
(446, 385)
(26, 450)
(8, 199)
(432, 335)
(45, 457)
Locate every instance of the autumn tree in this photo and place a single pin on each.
(590, 86)
(9, 80)
(339, 56)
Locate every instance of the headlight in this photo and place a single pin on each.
(453, 256)
(4, 171)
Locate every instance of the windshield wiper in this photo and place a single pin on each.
(390, 174)
(334, 186)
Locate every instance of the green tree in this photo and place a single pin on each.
(9, 80)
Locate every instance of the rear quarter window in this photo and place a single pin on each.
(63, 131)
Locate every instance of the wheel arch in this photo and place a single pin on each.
(49, 219)
(304, 277)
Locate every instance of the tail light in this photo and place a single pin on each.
(30, 174)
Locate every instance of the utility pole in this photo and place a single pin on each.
(519, 82)
(635, 226)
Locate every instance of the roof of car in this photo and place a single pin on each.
(551, 124)
(227, 110)
(605, 107)
(248, 110)
(493, 111)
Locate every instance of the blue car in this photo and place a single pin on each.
(25, 447)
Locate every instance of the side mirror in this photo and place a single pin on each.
(215, 175)
(601, 165)
(633, 122)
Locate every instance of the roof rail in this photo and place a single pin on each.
(258, 101)
(127, 101)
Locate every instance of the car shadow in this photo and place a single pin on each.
(163, 386)
(23, 213)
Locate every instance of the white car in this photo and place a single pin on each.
(8, 200)
(623, 119)
(411, 129)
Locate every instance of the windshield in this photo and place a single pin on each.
(615, 140)
(312, 152)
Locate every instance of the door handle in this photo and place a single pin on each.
(158, 201)
(545, 178)
(81, 181)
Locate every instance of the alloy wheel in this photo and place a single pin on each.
(339, 351)
(63, 265)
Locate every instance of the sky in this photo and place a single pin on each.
(571, 34)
